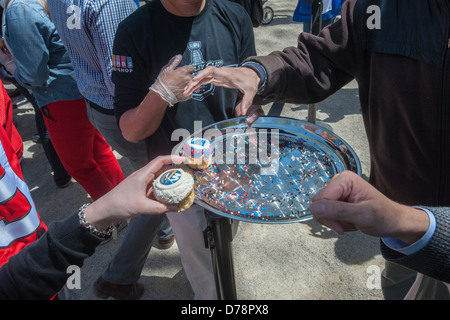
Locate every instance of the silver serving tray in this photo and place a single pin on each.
(268, 173)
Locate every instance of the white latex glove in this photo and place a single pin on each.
(171, 82)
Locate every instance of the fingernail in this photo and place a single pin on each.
(251, 118)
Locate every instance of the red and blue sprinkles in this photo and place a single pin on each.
(240, 189)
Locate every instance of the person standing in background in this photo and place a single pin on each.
(86, 156)
(89, 43)
(163, 43)
(402, 71)
(20, 223)
(331, 9)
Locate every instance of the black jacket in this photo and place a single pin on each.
(39, 271)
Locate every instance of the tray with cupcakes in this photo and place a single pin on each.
(264, 174)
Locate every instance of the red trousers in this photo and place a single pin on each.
(83, 151)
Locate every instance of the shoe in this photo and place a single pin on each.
(65, 184)
(36, 138)
(104, 289)
(18, 101)
(13, 94)
(165, 244)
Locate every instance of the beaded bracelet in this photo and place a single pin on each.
(103, 234)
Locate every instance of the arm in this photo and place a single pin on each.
(319, 65)
(433, 259)
(140, 110)
(28, 276)
(312, 71)
(350, 203)
(141, 122)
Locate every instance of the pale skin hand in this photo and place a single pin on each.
(132, 196)
(244, 79)
(6, 58)
(349, 203)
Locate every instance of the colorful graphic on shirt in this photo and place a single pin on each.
(122, 63)
(199, 64)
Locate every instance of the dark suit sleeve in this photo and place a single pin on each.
(434, 259)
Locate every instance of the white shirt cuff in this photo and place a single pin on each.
(408, 249)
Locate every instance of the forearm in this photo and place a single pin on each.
(40, 270)
(433, 259)
(30, 77)
(412, 224)
(28, 276)
(141, 122)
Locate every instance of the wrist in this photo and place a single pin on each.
(260, 72)
(413, 224)
(92, 219)
(154, 101)
(411, 246)
(164, 93)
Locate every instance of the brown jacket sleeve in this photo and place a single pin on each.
(315, 69)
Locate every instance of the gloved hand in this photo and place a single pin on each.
(171, 82)
(244, 79)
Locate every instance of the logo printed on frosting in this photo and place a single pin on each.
(170, 177)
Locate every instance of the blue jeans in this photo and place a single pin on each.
(129, 260)
(188, 226)
(106, 124)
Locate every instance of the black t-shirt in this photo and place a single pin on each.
(221, 35)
